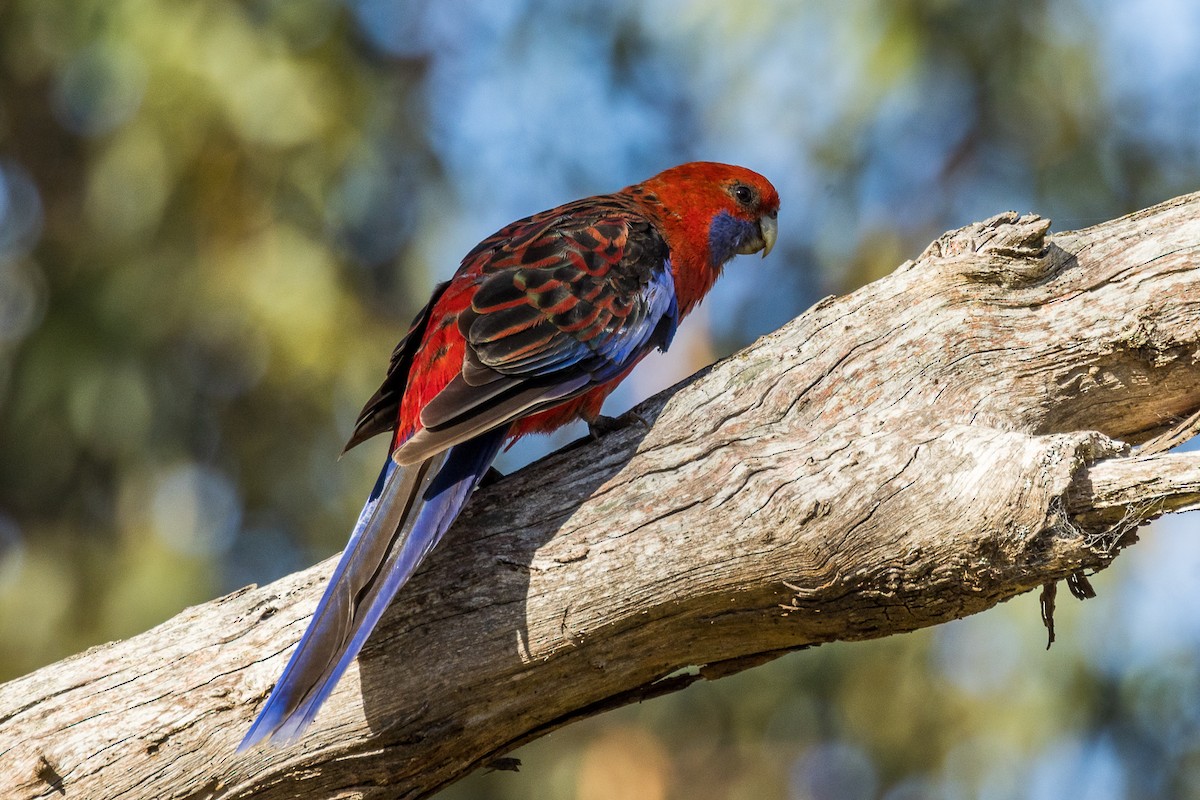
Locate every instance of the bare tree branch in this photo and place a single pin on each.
(935, 443)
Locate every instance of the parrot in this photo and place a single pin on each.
(537, 326)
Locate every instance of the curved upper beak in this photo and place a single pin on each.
(768, 229)
(768, 226)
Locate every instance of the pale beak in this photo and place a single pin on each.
(769, 227)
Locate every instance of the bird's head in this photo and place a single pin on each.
(710, 213)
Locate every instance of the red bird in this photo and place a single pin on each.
(539, 324)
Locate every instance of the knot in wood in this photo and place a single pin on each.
(1008, 249)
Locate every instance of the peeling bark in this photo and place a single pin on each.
(939, 441)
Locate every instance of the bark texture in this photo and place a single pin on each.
(939, 441)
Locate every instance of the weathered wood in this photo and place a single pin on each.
(935, 443)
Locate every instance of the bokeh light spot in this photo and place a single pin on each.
(100, 88)
(22, 300)
(110, 408)
(196, 510)
(128, 186)
(20, 211)
(12, 551)
(834, 771)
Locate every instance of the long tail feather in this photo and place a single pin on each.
(405, 516)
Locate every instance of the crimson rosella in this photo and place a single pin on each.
(538, 325)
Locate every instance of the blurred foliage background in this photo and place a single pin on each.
(217, 218)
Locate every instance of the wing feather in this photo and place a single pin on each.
(564, 302)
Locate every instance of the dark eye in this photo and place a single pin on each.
(743, 194)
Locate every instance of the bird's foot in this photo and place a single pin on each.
(602, 425)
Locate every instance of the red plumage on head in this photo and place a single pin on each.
(688, 197)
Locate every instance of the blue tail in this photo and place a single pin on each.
(405, 516)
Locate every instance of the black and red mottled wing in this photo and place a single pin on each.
(565, 301)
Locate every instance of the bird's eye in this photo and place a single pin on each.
(743, 194)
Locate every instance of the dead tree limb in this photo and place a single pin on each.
(939, 441)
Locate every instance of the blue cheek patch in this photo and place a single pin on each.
(725, 235)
